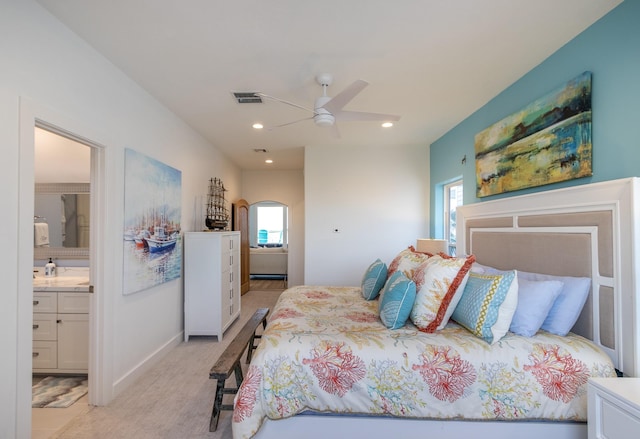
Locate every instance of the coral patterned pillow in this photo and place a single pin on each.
(439, 284)
(407, 261)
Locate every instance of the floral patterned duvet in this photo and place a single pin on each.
(326, 350)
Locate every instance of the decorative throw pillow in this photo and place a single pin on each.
(396, 300)
(374, 279)
(567, 307)
(535, 299)
(487, 305)
(439, 282)
(406, 262)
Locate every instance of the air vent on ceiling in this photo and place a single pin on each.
(247, 97)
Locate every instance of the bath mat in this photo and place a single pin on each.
(59, 391)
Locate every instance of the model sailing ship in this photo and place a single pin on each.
(217, 214)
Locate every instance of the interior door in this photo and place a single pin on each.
(241, 223)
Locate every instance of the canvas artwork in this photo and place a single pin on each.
(546, 142)
(152, 212)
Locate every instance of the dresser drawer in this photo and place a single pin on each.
(45, 355)
(45, 326)
(45, 302)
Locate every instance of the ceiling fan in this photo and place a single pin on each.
(327, 110)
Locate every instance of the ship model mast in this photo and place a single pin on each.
(217, 214)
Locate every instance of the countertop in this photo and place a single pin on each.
(68, 279)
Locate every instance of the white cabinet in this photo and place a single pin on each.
(60, 332)
(614, 408)
(211, 282)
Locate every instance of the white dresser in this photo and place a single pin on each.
(60, 332)
(211, 282)
(614, 408)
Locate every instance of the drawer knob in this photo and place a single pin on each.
(35, 354)
(36, 326)
(35, 302)
(59, 321)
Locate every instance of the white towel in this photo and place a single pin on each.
(41, 235)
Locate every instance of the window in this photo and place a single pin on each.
(271, 225)
(452, 199)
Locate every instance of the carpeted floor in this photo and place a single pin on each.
(174, 399)
(58, 391)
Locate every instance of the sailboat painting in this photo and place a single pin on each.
(152, 212)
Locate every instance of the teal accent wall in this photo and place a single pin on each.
(610, 50)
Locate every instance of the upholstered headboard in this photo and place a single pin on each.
(587, 231)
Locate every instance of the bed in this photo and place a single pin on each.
(270, 261)
(327, 366)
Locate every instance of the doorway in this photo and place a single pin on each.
(62, 212)
(269, 245)
(31, 115)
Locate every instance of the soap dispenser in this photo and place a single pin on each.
(50, 269)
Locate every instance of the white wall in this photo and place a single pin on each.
(376, 197)
(48, 72)
(286, 187)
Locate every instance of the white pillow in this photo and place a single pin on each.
(567, 307)
(535, 299)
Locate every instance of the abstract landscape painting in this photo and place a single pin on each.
(546, 142)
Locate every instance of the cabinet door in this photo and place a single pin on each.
(241, 224)
(73, 341)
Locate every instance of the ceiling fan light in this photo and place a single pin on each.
(258, 126)
(324, 119)
(268, 161)
(387, 124)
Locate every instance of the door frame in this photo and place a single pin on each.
(32, 114)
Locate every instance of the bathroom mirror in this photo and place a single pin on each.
(65, 208)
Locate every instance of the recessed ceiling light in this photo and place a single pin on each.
(258, 126)
(269, 161)
(387, 124)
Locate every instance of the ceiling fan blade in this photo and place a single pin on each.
(344, 97)
(266, 96)
(352, 116)
(289, 123)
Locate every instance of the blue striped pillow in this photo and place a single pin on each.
(396, 300)
(487, 305)
(374, 279)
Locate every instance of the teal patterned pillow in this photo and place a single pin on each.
(374, 279)
(396, 300)
(487, 305)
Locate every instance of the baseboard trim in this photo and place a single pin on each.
(146, 364)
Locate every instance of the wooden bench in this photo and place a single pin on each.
(229, 362)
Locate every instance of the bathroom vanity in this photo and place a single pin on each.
(61, 323)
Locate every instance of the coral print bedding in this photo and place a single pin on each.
(325, 350)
